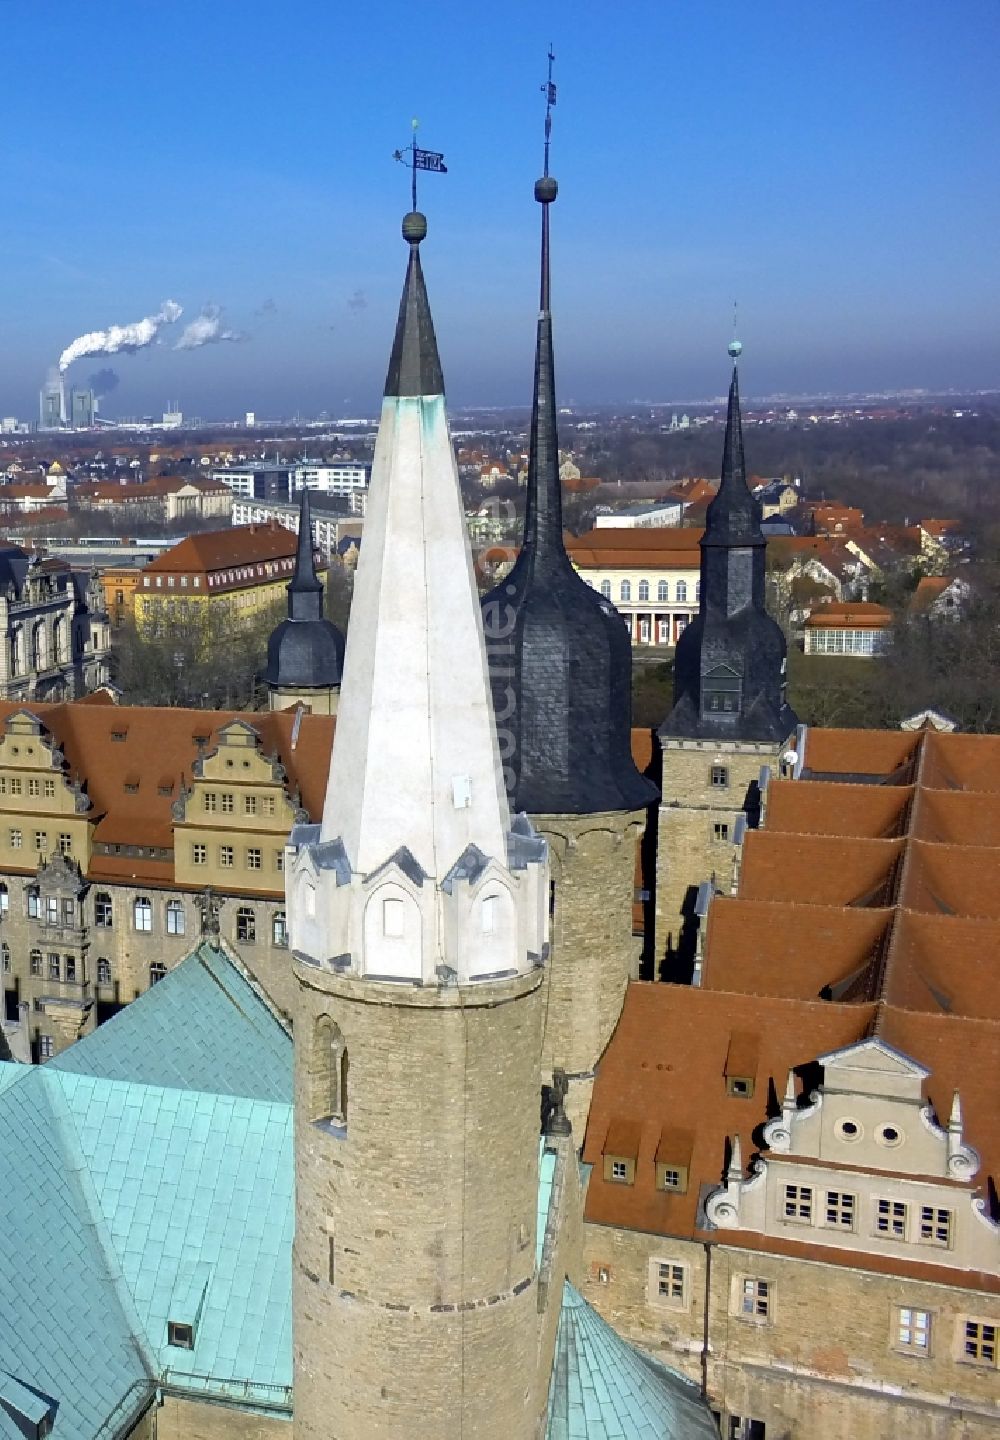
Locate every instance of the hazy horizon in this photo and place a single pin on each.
(826, 169)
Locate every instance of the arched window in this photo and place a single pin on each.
(5, 954)
(643, 589)
(103, 910)
(59, 640)
(35, 962)
(606, 589)
(4, 899)
(246, 926)
(16, 650)
(663, 591)
(279, 928)
(682, 590)
(626, 590)
(39, 659)
(328, 1069)
(156, 973)
(103, 970)
(175, 917)
(142, 912)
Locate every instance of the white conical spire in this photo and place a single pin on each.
(415, 759)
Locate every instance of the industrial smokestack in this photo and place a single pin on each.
(129, 338)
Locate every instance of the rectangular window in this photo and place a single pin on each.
(209, 800)
(15, 839)
(279, 860)
(249, 804)
(935, 1226)
(33, 910)
(34, 787)
(755, 1299)
(980, 1342)
(720, 777)
(619, 1170)
(103, 971)
(103, 912)
(199, 854)
(15, 785)
(175, 918)
(68, 911)
(253, 859)
(50, 789)
(720, 831)
(228, 803)
(392, 918)
(70, 963)
(65, 844)
(267, 805)
(52, 910)
(670, 1282)
(226, 856)
(55, 966)
(3, 785)
(799, 1203)
(913, 1330)
(890, 1218)
(35, 962)
(41, 841)
(840, 1209)
(46, 1047)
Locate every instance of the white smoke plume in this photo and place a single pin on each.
(208, 329)
(129, 338)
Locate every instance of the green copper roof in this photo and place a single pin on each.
(203, 1027)
(135, 1196)
(602, 1388)
(546, 1175)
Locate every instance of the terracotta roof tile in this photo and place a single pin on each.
(878, 812)
(817, 870)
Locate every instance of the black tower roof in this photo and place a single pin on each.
(559, 655)
(305, 651)
(414, 366)
(729, 666)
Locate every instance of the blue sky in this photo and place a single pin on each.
(833, 167)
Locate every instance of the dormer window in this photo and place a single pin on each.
(180, 1334)
(741, 1065)
(621, 1152)
(673, 1160)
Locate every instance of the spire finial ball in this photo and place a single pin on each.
(735, 349)
(546, 190)
(414, 227)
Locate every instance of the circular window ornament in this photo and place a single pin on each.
(849, 1130)
(889, 1135)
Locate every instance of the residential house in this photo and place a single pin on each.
(853, 627)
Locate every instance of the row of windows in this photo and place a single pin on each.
(64, 841)
(754, 1298)
(16, 785)
(894, 1219)
(253, 857)
(53, 911)
(846, 642)
(662, 591)
(67, 968)
(225, 803)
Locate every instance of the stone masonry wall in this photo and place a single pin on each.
(689, 851)
(414, 1256)
(826, 1359)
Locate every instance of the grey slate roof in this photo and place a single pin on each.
(414, 365)
(306, 651)
(560, 657)
(729, 666)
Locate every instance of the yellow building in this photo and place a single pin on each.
(652, 576)
(223, 574)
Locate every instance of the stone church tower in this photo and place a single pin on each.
(730, 714)
(305, 653)
(418, 925)
(561, 673)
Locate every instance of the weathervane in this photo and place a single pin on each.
(419, 160)
(549, 91)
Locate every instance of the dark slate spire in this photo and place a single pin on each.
(559, 654)
(306, 651)
(305, 593)
(729, 666)
(414, 366)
